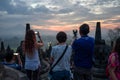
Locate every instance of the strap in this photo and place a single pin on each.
(60, 57)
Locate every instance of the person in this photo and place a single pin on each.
(62, 69)
(11, 62)
(114, 62)
(20, 51)
(83, 50)
(30, 48)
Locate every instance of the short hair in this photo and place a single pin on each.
(61, 37)
(84, 29)
(9, 56)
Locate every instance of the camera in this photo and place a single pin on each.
(15, 53)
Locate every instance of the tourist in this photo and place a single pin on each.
(83, 49)
(61, 70)
(10, 60)
(20, 51)
(114, 62)
(30, 48)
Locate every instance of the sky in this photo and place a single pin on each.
(51, 16)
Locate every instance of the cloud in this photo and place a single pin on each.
(14, 7)
(16, 30)
(55, 14)
(41, 9)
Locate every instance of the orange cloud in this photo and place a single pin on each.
(108, 25)
(56, 28)
(56, 22)
(62, 26)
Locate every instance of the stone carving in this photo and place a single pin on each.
(101, 54)
(2, 51)
(27, 27)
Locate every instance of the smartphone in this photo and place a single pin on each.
(16, 53)
(36, 32)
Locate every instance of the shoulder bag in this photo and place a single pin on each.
(58, 60)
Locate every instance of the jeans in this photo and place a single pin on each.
(82, 74)
(61, 75)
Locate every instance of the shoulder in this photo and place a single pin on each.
(69, 47)
(77, 40)
(91, 38)
(55, 47)
(16, 66)
(60, 47)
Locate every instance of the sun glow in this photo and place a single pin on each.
(56, 28)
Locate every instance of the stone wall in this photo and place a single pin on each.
(7, 73)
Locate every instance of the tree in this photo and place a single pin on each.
(114, 34)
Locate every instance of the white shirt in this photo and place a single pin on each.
(32, 63)
(64, 63)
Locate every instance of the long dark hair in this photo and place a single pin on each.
(117, 47)
(30, 40)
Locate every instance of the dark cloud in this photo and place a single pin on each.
(19, 7)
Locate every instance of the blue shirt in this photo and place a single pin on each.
(12, 65)
(83, 51)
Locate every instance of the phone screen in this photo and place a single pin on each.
(15, 53)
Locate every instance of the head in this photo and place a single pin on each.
(9, 56)
(30, 40)
(84, 29)
(61, 37)
(117, 47)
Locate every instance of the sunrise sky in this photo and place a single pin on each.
(48, 16)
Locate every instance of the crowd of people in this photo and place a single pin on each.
(79, 55)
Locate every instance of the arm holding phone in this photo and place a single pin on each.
(18, 58)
